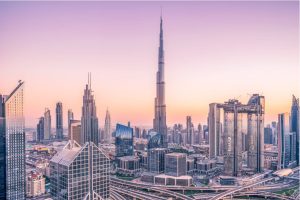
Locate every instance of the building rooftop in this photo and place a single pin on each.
(176, 177)
(176, 154)
(67, 155)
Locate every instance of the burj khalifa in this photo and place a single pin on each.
(159, 121)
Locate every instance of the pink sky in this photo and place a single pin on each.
(213, 51)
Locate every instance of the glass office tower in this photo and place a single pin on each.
(80, 173)
(12, 145)
(124, 141)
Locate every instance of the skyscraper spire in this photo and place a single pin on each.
(89, 119)
(159, 121)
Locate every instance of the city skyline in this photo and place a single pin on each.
(196, 74)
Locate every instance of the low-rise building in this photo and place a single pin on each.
(128, 165)
(35, 184)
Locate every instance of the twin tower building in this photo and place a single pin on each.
(228, 139)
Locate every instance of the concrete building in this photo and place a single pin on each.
(175, 164)
(12, 145)
(47, 124)
(59, 121)
(71, 176)
(128, 165)
(35, 184)
(70, 116)
(163, 179)
(214, 130)
(75, 131)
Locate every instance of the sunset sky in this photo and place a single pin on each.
(214, 51)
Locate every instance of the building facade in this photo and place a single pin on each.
(89, 119)
(47, 124)
(124, 140)
(12, 145)
(107, 129)
(156, 160)
(35, 184)
(214, 130)
(40, 129)
(75, 131)
(159, 121)
(175, 164)
(80, 172)
(59, 121)
(295, 124)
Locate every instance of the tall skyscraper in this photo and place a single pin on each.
(295, 124)
(190, 130)
(124, 140)
(70, 116)
(107, 129)
(159, 121)
(59, 121)
(283, 131)
(2, 149)
(89, 119)
(40, 129)
(12, 145)
(255, 121)
(47, 124)
(214, 130)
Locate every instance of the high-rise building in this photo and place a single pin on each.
(75, 131)
(294, 120)
(233, 139)
(255, 131)
(159, 121)
(190, 131)
(47, 124)
(175, 164)
(80, 172)
(89, 119)
(274, 132)
(59, 121)
(40, 130)
(156, 160)
(124, 140)
(12, 145)
(2, 148)
(283, 130)
(107, 129)
(290, 148)
(70, 115)
(35, 184)
(214, 130)
(268, 135)
(200, 134)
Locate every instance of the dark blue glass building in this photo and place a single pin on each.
(124, 140)
(295, 124)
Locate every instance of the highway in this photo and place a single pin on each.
(133, 189)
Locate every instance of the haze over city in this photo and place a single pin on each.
(214, 51)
